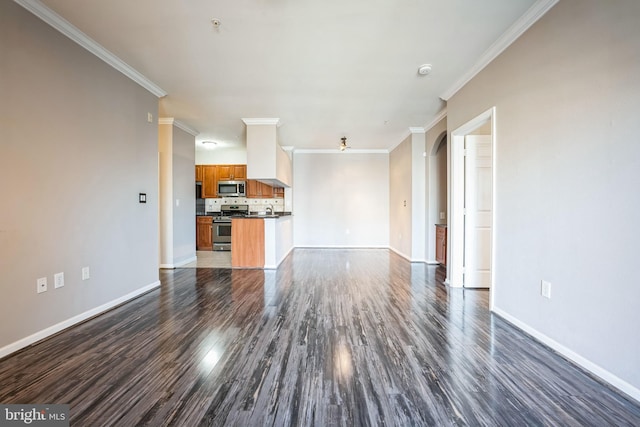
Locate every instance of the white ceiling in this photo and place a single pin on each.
(326, 68)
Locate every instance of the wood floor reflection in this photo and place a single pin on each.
(333, 337)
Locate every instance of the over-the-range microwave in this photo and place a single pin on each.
(232, 188)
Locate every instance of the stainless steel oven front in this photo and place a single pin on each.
(222, 234)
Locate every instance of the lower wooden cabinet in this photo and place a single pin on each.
(441, 244)
(204, 235)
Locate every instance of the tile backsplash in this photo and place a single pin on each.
(255, 205)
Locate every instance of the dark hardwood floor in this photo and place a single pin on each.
(333, 337)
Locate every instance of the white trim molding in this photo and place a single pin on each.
(262, 121)
(531, 16)
(417, 130)
(579, 360)
(436, 119)
(47, 332)
(338, 151)
(65, 27)
(188, 129)
(178, 124)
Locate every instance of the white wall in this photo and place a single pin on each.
(221, 156)
(76, 151)
(341, 199)
(567, 98)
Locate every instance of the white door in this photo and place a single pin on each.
(477, 203)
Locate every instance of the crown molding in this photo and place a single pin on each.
(535, 12)
(178, 124)
(263, 121)
(441, 115)
(186, 128)
(65, 27)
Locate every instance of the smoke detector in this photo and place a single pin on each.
(424, 69)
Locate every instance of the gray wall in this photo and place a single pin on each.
(436, 185)
(76, 149)
(400, 191)
(567, 97)
(184, 226)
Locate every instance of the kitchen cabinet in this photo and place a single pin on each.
(204, 236)
(260, 190)
(278, 192)
(247, 242)
(198, 173)
(209, 181)
(232, 172)
(441, 244)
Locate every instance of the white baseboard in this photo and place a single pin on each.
(274, 267)
(579, 360)
(185, 262)
(340, 247)
(51, 330)
(432, 262)
(167, 266)
(399, 253)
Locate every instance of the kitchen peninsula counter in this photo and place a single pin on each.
(261, 241)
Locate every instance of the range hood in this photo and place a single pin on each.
(266, 160)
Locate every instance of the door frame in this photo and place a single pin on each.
(455, 233)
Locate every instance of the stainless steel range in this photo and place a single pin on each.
(222, 225)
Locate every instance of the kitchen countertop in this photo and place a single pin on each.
(275, 215)
(252, 215)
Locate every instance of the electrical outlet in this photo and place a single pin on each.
(85, 273)
(441, 215)
(58, 280)
(41, 285)
(545, 289)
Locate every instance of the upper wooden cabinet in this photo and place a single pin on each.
(209, 175)
(278, 192)
(209, 181)
(257, 189)
(232, 172)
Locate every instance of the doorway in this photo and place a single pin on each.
(472, 205)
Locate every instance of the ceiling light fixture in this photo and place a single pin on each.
(424, 69)
(216, 23)
(343, 144)
(209, 144)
